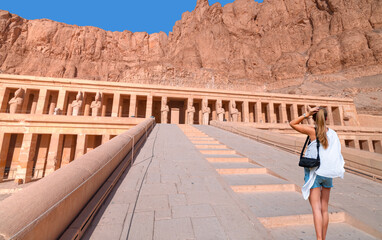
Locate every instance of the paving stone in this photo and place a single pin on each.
(158, 189)
(233, 223)
(152, 202)
(173, 229)
(142, 226)
(208, 229)
(163, 214)
(200, 210)
(177, 199)
(207, 197)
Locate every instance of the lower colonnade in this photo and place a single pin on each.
(48, 122)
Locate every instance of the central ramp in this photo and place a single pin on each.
(274, 194)
(172, 192)
(200, 182)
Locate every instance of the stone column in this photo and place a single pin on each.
(164, 109)
(356, 143)
(54, 149)
(133, 105)
(329, 121)
(149, 106)
(294, 111)
(61, 100)
(245, 112)
(3, 99)
(25, 164)
(105, 138)
(41, 101)
(116, 104)
(370, 143)
(271, 113)
(80, 148)
(341, 110)
(34, 103)
(258, 114)
(284, 116)
(4, 146)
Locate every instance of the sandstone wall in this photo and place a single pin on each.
(370, 120)
(243, 45)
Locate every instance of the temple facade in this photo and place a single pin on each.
(48, 122)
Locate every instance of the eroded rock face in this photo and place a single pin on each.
(244, 45)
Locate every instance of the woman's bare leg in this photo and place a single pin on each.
(325, 192)
(315, 202)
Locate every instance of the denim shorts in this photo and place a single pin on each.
(320, 181)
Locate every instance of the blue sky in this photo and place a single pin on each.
(112, 15)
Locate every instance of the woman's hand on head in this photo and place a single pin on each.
(313, 111)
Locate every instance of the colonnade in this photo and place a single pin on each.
(166, 109)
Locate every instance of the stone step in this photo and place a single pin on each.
(227, 171)
(226, 158)
(265, 188)
(218, 151)
(211, 146)
(337, 231)
(227, 165)
(202, 139)
(205, 142)
(297, 220)
(255, 179)
(277, 204)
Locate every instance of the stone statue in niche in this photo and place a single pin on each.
(164, 109)
(190, 112)
(16, 102)
(77, 104)
(206, 112)
(220, 111)
(57, 111)
(234, 112)
(96, 105)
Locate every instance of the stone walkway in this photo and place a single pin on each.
(355, 202)
(181, 197)
(206, 183)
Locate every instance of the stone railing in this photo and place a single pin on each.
(360, 162)
(46, 208)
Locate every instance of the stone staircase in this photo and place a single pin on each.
(277, 203)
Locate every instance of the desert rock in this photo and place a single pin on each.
(244, 45)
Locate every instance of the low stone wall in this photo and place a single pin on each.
(361, 162)
(46, 208)
(370, 120)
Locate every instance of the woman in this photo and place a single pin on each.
(318, 181)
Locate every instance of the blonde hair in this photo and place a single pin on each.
(320, 121)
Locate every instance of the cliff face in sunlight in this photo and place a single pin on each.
(244, 45)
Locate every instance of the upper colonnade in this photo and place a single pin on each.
(68, 97)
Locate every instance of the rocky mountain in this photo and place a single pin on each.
(277, 45)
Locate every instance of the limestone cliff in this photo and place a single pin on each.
(243, 45)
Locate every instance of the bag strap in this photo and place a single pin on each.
(318, 145)
(306, 142)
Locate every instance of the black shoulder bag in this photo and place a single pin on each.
(310, 162)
